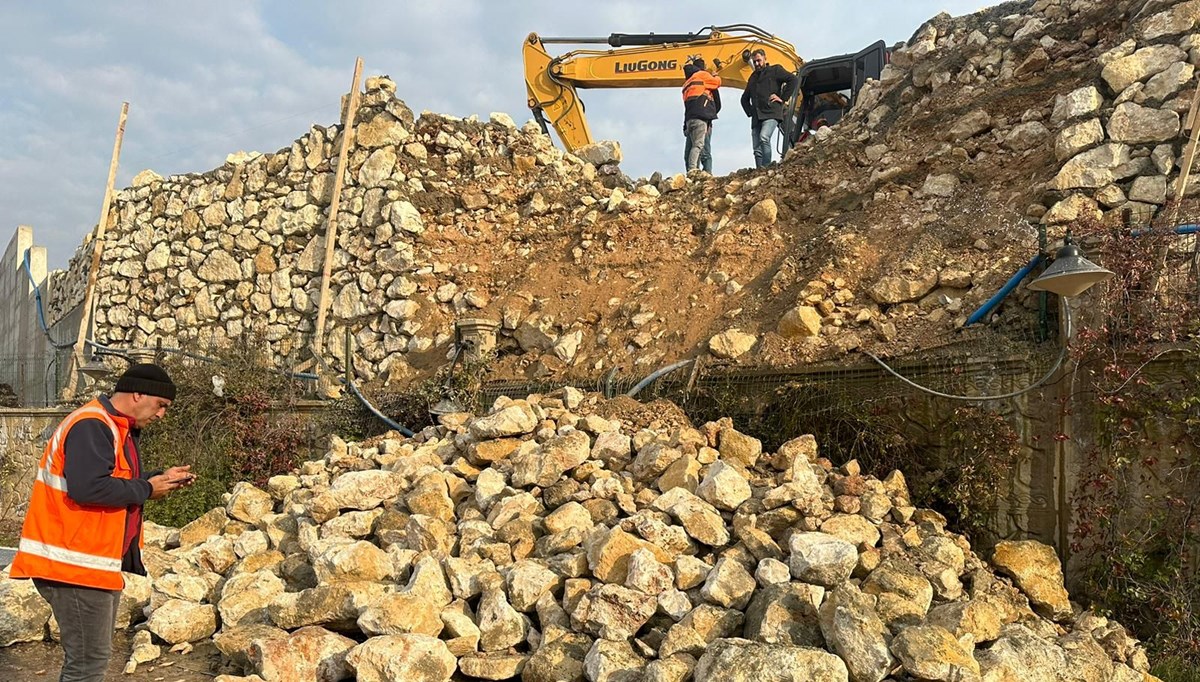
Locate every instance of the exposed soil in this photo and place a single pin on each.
(42, 661)
(839, 221)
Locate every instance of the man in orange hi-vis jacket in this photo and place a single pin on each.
(701, 103)
(84, 524)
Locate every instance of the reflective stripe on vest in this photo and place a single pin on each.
(62, 539)
(701, 83)
(68, 556)
(52, 480)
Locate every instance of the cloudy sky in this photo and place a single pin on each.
(207, 78)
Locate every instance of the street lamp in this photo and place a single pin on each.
(1070, 274)
(95, 370)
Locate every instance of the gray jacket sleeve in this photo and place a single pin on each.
(88, 468)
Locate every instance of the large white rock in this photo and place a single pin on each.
(310, 653)
(724, 486)
(1093, 168)
(513, 420)
(1179, 19)
(352, 562)
(1085, 101)
(381, 131)
(177, 621)
(1134, 123)
(1137, 67)
(23, 612)
(377, 168)
(731, 343)
(405, 217)
(600, 153)
(411, 657)
(1077, 138)
(244, 598)
(249, 504)
(219, 266)
(740, 660)
(821, 559)
(854, 631)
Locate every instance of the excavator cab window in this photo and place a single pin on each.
(830, 86)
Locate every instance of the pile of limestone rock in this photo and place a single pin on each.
(544, 542)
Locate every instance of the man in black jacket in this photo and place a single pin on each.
(768, 88)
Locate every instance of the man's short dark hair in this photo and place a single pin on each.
(758, 51)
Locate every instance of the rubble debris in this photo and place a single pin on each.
(561, 556)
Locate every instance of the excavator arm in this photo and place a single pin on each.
(637, 61)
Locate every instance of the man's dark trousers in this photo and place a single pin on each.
(86, 617)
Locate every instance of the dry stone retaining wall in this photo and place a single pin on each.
(239, 248)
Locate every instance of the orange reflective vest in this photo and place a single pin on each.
(699, 84)
(66, 541)
(698, 100)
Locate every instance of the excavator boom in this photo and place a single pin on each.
(636, 61)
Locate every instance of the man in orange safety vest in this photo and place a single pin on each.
(84, 523)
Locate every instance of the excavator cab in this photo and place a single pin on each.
(829, 87)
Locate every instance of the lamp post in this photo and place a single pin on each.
(95, 369)
(1068, 276)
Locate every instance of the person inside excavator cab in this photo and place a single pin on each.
(701, 104)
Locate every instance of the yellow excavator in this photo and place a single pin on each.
(827, 87)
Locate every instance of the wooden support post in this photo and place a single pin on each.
(334, 200)
(1189, 156)
(85, 320)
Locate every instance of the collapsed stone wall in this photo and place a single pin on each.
(567, 538)
(1115, 140)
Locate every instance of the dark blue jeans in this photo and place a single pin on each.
(761, 133)
(86, 617)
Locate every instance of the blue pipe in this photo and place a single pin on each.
(1012, 283)
(37, 297)
(1190, 228)
(390, 423)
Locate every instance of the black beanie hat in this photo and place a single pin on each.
(148, 379)
(689, 70)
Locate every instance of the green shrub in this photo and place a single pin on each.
(239, 432)
(1177, 669)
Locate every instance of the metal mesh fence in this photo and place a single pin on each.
(1158, 300)
(32, 380)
